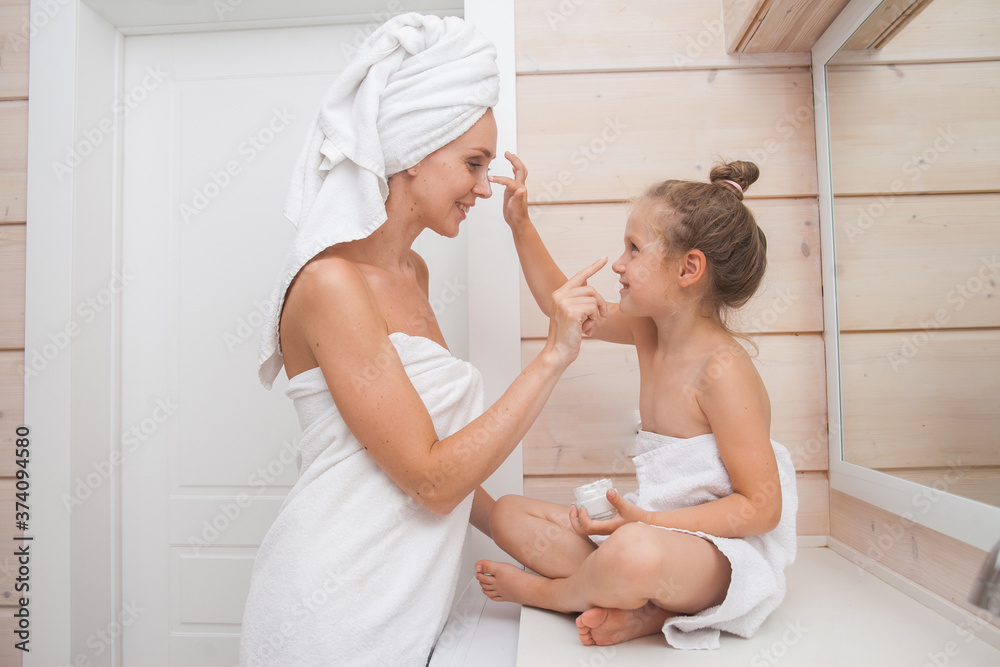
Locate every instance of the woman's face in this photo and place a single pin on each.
(446, 183)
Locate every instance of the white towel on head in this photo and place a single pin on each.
(416, 84)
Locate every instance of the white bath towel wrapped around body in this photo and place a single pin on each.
(353, 571)
(681, 472)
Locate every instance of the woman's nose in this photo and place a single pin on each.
(482, 188)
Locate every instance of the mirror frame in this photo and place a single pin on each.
(970, 521)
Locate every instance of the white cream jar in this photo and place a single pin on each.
(594, 498)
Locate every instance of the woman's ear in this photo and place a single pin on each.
(693, 267)
(399, 183)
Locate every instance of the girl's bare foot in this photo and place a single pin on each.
(504, 582)
(604, 627)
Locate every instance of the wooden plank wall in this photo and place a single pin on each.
(768, 26)
(884, 23)
(916, 170)
(613, 97)
(932, 560)
(13, 193)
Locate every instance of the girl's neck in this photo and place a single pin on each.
(684, 328)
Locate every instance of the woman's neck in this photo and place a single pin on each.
(387, 248)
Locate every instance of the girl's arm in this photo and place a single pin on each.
(736, 404)
(332, 311)
(541, 272)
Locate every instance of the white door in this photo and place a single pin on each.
(215, 123)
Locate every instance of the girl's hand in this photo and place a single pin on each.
(627, 513)
(576, 308)
(515, 196)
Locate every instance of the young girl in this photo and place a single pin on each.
(703, 544)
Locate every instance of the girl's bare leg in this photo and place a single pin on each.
(539, 535)
(636, 565)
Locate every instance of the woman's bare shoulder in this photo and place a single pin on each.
(330, 300)
(420, 267)
(328, 277)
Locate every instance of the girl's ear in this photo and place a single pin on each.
(693, 267)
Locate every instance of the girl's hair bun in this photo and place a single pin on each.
(740, 172)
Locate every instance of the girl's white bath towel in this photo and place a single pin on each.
(681, 472)
(353, 571)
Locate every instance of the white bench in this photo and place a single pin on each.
(836, 613)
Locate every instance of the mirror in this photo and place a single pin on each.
(914, 122)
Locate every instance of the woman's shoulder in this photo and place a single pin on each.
(329, 301)
(420, 268)
(330, 270)
(330, 280)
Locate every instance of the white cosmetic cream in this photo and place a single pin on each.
(594, 498)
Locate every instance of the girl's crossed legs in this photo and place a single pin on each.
(627, 587)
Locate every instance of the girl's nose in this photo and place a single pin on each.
(619, 265)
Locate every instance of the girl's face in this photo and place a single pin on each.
(447, 182)
(642, 268)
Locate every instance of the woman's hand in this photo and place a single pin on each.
(515, 195)
(627, 513)
(576, 309)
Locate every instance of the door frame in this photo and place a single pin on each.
(72, 400)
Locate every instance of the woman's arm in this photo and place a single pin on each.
(736, 404)
(541, 272)
(333, 312)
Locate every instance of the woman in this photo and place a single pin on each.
(361, 563)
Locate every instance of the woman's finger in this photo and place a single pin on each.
(584, 292)
(602, 305)
(580, 278)
(593, 305)
(581, 297)
(582, 316)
